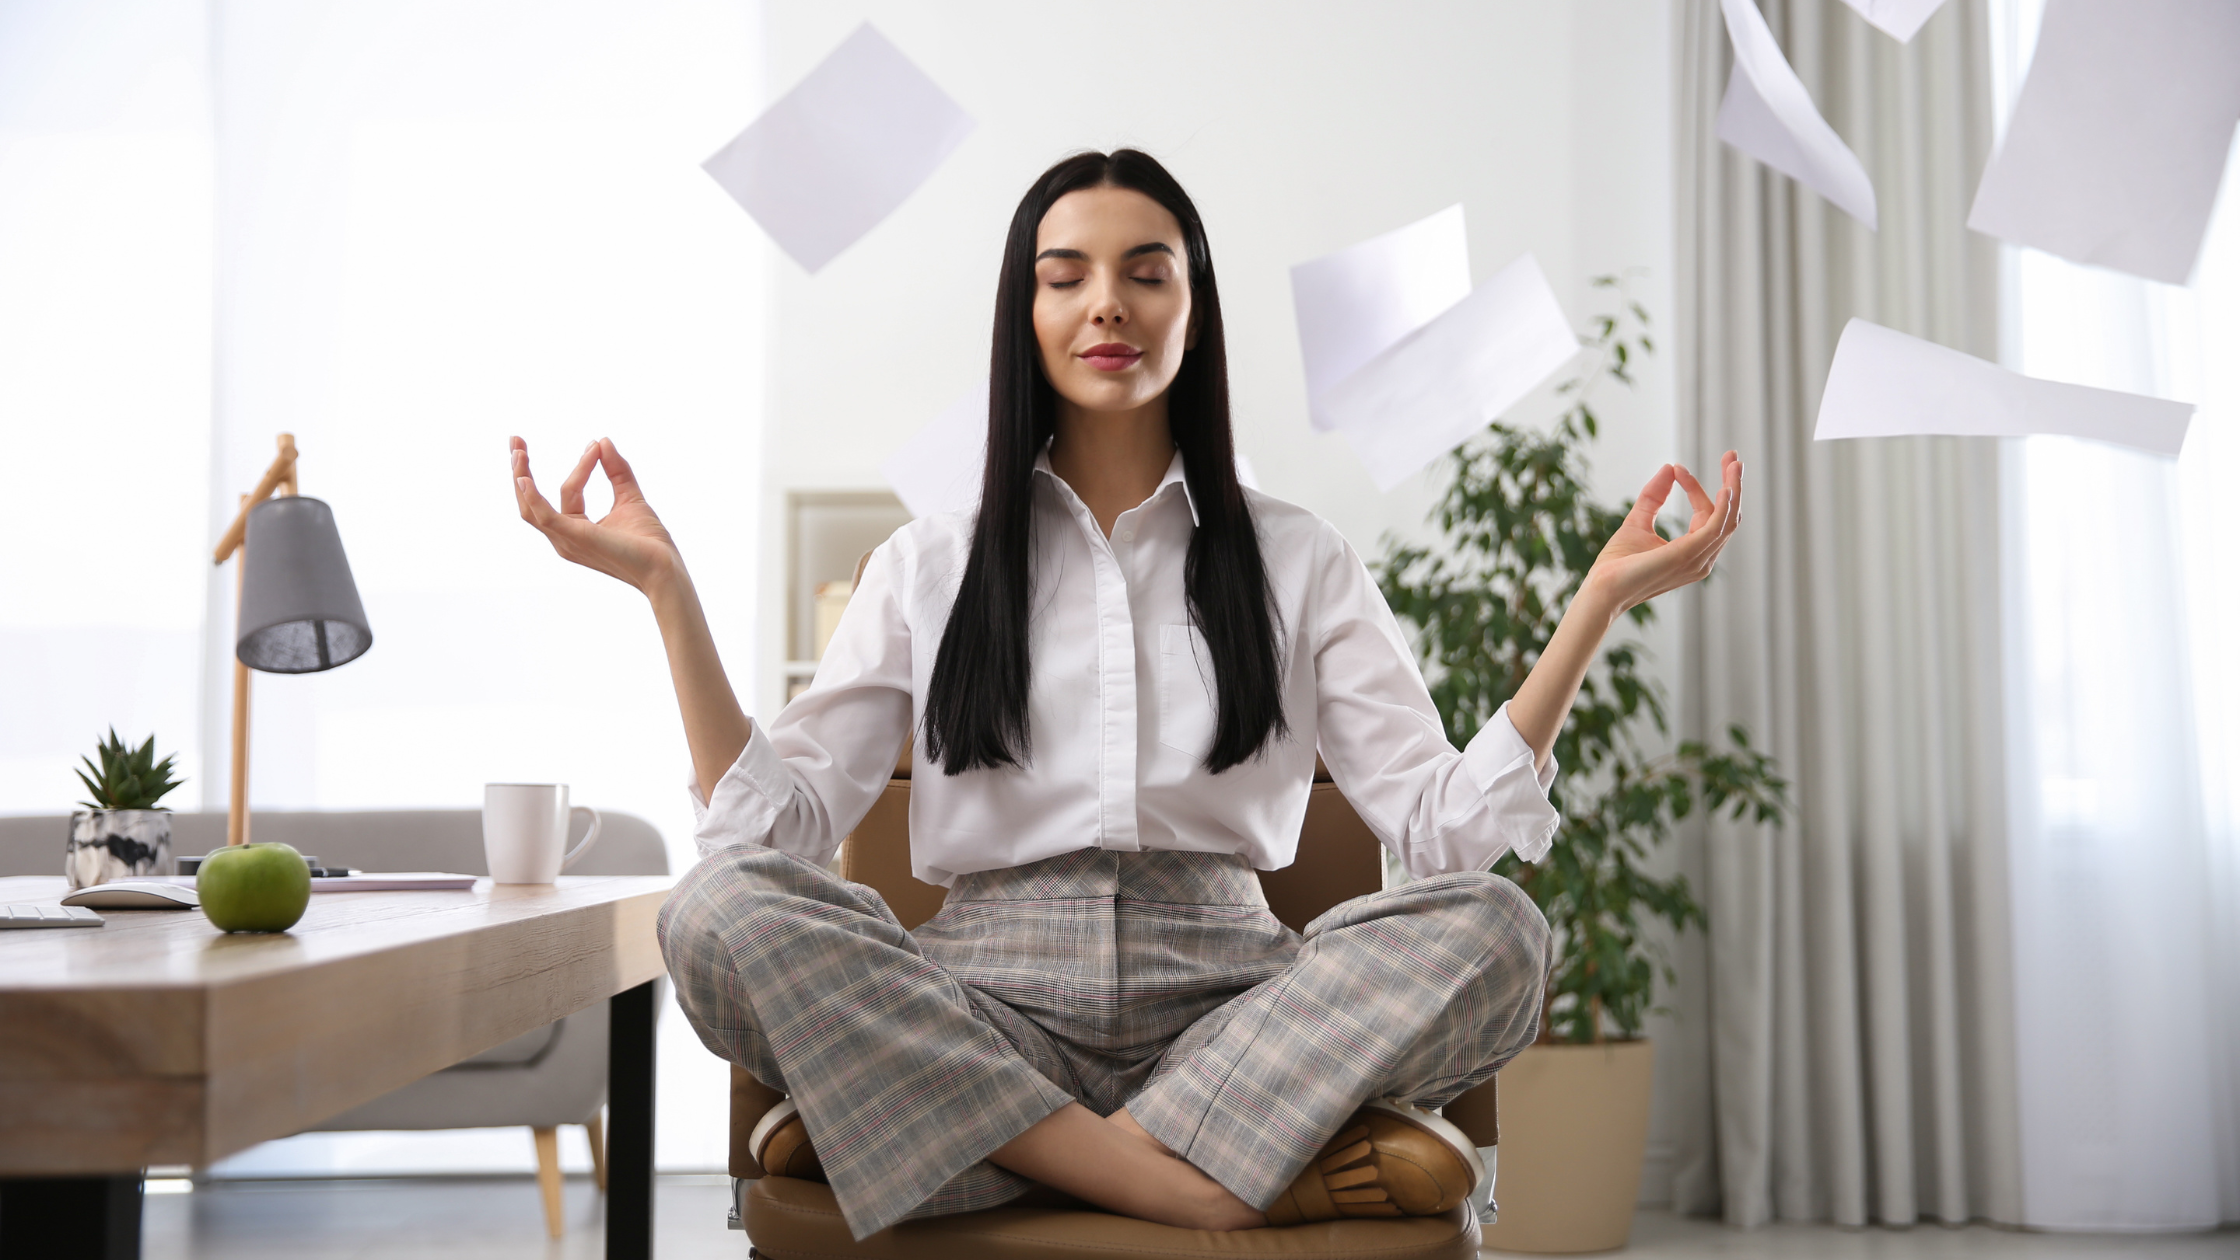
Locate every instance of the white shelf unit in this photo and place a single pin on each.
(827, 531)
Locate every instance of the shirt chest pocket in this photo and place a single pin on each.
(1186, 693)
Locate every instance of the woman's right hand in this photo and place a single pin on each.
(629, 542)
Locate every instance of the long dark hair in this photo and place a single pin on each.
(976, 707)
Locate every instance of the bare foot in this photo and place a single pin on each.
(1221, 1208)
(1120, 1168)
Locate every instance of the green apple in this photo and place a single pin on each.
(254, 887)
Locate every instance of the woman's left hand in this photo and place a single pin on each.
(1636, 565)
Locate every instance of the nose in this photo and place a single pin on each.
(1105, 308)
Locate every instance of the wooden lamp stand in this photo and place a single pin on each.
(279, 478)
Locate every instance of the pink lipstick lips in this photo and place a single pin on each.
(1112, 356)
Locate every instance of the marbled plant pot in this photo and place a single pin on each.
(109, 844)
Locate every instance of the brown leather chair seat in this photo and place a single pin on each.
(790, 1219)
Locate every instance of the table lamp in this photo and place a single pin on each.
(298, 609)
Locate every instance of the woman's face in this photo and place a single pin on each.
(1111, 298)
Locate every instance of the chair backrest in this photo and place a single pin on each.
(1339, 857)
(367, 839)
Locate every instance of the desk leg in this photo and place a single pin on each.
(630, 1124)
(71, 1218)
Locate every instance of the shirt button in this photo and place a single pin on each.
(1127, 535)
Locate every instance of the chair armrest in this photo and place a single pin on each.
(750, 1099)
(1477, 1112)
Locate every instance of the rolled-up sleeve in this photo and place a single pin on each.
(803, 783)
(1438, 809)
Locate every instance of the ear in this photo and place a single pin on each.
(1190, 337)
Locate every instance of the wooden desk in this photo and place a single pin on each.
(158, 1039)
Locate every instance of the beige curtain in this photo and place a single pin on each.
(1858, 1047)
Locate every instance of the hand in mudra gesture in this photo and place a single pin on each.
(1636, 565)
(629, 542)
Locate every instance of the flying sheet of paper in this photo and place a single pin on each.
(1768, 115)
(1354, 304)
(2119, 135)
(1884, 383)
(938, 469)
(1899, 19)
(1446, 380)
(838, 153)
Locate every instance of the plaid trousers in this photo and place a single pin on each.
(1158, 981)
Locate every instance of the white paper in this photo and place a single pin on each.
(1884, 383)
(2119, 135)
(1354, 304)
(1899, 19)
(938, 469)
(1768, 115)
(1445, 381)
(838, 153)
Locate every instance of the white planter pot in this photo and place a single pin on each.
(1574, 1126)
(111, 844)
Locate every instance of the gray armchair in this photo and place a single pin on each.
(556, 1075)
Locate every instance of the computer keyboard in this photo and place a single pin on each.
(26, 916)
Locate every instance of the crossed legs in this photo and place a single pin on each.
(926, 1097)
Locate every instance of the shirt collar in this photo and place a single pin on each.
(1173, 477)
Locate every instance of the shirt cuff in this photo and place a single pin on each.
(1501, 764)
(746, 802)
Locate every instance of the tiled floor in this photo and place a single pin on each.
(499, 1219)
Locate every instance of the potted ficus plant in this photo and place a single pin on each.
(1519, 531)
(121, 832)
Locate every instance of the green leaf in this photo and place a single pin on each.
(126, 778)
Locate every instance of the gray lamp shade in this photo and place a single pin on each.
(299, 609)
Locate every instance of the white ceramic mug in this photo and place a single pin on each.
(525, 829)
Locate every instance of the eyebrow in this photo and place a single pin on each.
(1149, 247)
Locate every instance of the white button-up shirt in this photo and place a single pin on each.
(1121, 711)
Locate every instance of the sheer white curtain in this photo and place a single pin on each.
(2124, 694)
(1858, 1064)
(401, 230)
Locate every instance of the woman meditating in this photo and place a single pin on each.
(1119, 669)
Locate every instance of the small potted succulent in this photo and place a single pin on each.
(121, 832)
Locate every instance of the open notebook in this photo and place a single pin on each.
(361, 881)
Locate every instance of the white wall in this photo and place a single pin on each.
(1298, 129)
